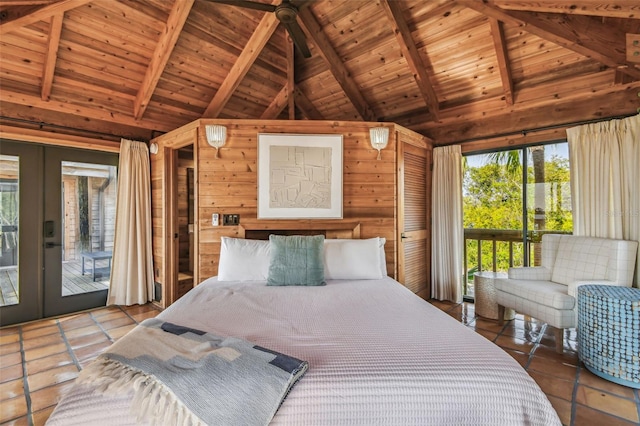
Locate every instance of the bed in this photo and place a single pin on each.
(376, 353)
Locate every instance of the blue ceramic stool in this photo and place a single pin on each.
(609, 332)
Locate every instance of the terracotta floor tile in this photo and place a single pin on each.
(514, 343)
(39, 324)
(9, 330)
(9, 338)
(567, 357)
(50, 339)
(117, 322)
(443, 305)
(117, 333)
(20, 421)
(521, 357)
(50, 396)
(11, 389)
(82, 331)
(144, 315)
(11, 373)
(88, 339)
(106, 312)
(589, 379)
(49, 362)
(10, 348)
(76, 321)
(44, 351)
(489, 335)
(140, 309)
(42, 331)
(553, 386)
(9, 359)
(554, 368)
(52, 377)
(109, 316)
(563, 408)
(586, 416)
(40, 417)
(13, 408)
(487, 324)
(92, 351)
(608, 403)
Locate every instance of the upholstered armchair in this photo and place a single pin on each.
(548, 292)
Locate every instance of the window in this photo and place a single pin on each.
(508, 207)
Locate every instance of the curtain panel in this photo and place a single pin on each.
(447, 231)
(605, 180)
(132, 267)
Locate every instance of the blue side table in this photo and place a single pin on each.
(609, 332)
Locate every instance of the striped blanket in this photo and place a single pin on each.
(185, 376)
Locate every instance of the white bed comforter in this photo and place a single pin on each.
(377, 354)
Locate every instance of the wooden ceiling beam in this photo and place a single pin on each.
(40, 14)
(291, 106)
(8, 96)
(393, 10)
(306, 106)
(336, 65)
(585, 35)
(51, 55)
(612, 9)
(278, 105)
(168, 39)
(499, 43)
(240, 68)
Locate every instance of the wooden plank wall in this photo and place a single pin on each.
(228, 185)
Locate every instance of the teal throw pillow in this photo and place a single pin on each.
(296, 260)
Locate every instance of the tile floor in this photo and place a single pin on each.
(39, 360)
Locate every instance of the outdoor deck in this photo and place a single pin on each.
(73, 282)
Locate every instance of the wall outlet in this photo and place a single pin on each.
(215, 219)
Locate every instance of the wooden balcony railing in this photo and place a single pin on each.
(516, 252)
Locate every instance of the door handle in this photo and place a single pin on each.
(51, 245)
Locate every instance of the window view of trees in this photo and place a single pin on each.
(496, 192)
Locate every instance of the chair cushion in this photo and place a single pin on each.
(544, 293)
(581, 258)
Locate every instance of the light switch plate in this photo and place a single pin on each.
(215, 219)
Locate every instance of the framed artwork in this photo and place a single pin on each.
(299, 176)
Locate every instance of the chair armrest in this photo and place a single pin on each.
(573, 287)
(537, 273)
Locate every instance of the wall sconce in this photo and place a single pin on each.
(379, 138)
(153, 148)
(216, 136)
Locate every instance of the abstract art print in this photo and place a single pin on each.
(299, 176)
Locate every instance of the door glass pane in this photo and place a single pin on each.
(88, 225)
(492, 206)
(9, 214)
(548, 195)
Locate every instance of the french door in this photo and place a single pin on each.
(58, 220)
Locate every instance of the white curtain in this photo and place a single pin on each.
(132, 268)
(605, 180)
(448, 232)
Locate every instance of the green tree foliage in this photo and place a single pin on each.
(492, 200)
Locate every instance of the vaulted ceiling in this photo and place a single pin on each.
(451, 70)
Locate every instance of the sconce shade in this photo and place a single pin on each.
(379, 138)
(153, 148)
(216, 136)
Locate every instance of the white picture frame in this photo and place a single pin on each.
(299, 176)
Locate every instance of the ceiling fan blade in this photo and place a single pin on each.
(266, 7)
(298, 38)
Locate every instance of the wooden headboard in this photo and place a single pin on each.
(260, 229)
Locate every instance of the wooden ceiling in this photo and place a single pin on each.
(451, 70)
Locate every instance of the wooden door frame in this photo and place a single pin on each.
(170, 219)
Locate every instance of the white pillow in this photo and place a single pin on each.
(346, 259)
(243, 260)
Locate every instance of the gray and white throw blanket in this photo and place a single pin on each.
(183, 376)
